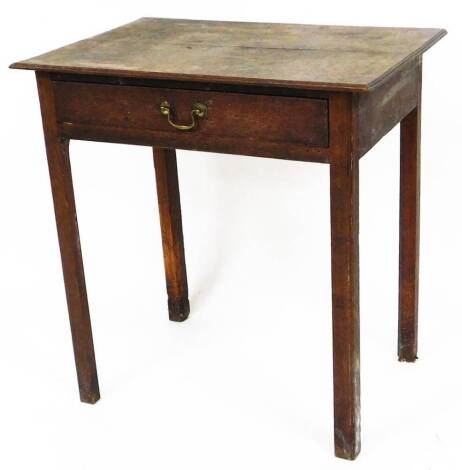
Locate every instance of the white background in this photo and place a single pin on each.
(246, 382)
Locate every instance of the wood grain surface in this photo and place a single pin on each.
(289, 126)
(304, 56)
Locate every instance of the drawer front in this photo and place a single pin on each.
(234, 123)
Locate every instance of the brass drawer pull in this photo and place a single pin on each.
(198, 110)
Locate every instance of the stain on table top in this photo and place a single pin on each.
(303, 56)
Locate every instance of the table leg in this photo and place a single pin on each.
(409, 236)
(168, 197)
(68, 234)
(344, 194)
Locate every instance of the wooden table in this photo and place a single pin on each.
(322, 94)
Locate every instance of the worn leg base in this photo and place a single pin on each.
(90, 398)
(89, 389)
(178, 310)
(407, 359)
(407, 336)
(344, 452)
(407, 356)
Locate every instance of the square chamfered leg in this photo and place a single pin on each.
(409, 235)
(168, 197)
(344, 197)
(57, 149)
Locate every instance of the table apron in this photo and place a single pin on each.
(285, 127)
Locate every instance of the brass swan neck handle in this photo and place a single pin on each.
(198, 111)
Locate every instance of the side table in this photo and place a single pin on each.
(322, 94)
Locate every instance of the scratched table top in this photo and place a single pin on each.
(304, 56)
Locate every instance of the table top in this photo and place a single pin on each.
(302, 56)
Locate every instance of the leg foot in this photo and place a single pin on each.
(178, 310)
(402, 357)
(90, 397)
(343, 450)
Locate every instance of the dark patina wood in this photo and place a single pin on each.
(384, 107)
(168, 198)
(57, 148)
(409, 230)
(344, 200)
(310, 93)
(271, 126)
